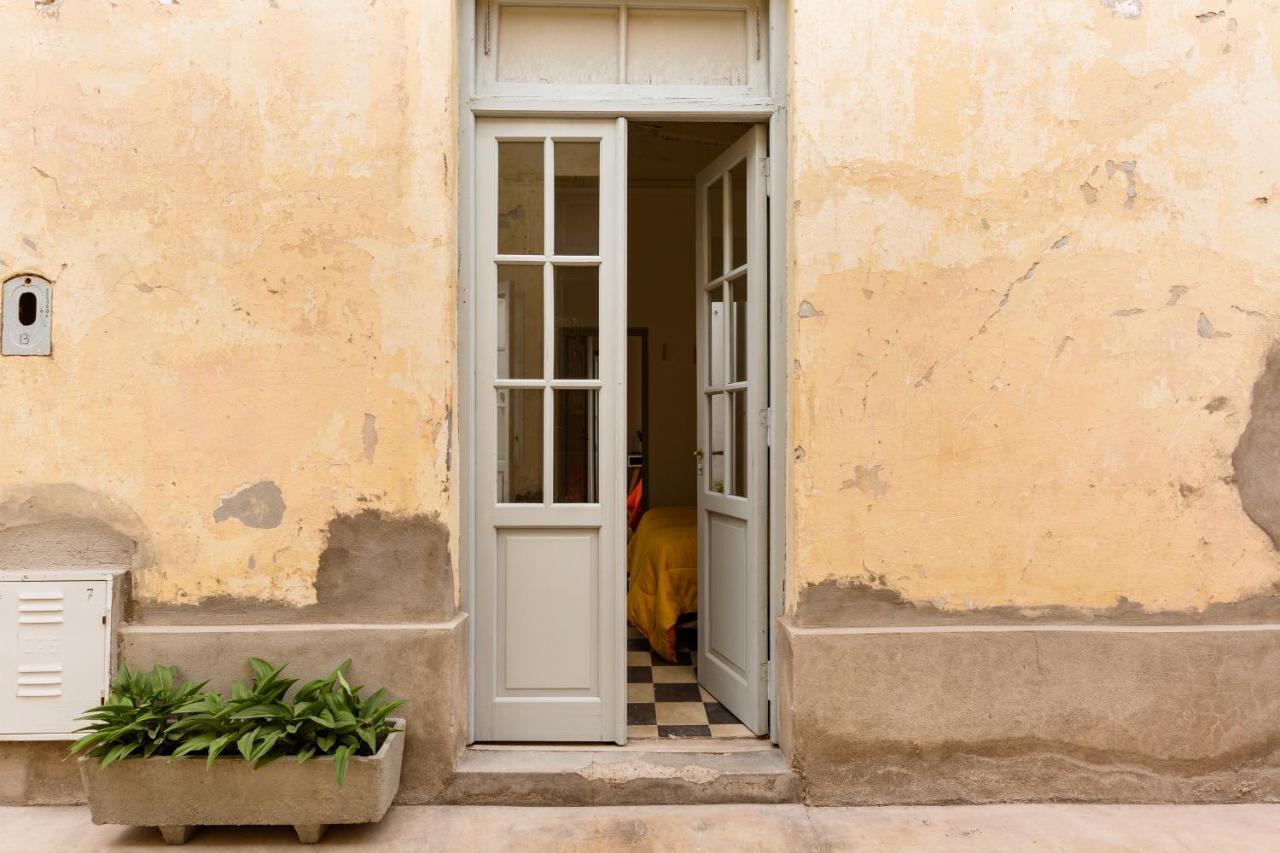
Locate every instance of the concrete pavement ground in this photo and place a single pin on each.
(711, 828)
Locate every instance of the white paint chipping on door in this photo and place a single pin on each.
(550, 430)
(732, 401)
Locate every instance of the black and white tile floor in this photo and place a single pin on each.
(664, 699)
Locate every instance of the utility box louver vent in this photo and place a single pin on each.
(57, 645)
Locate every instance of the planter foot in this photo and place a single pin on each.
(176, 834)
(310, 833)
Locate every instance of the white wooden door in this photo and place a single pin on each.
(550, 369)
(732, 216)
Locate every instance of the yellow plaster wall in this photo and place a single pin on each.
(248, 212)
(1008, 223)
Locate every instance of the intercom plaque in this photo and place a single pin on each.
(26, 316)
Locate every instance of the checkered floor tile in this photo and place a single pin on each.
(664, 699)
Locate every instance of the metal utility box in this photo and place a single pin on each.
(57, 649)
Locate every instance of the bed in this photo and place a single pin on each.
(662, 574)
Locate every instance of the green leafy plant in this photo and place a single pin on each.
(323, 717)
(136, 716)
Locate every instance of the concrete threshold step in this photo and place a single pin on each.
(609, 776)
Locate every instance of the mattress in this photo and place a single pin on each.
(662, 574)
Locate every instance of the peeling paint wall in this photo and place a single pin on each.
(248, 213)
(1036, 252)
(1035, 276)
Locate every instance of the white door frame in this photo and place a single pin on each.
(772, 110)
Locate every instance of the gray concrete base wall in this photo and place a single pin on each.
(972, 714)
(425, 663)
(38, 773)
(910, 714)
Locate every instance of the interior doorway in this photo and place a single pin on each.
(621, 410)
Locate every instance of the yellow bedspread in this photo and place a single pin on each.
(662, 567)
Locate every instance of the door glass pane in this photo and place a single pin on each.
(550, 45)
(738, 484)
(716, 331)
(738, 323)
(701, 47)
(520, 198)
(715, 229)
(520, 445)
(577, 322)
(577, 428)
(519, 321)
(577, 198)
(738, 198)
(715, 443)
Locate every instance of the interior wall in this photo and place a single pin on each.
(660, 297)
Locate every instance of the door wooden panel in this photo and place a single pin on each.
(547, 579)
(727, 590)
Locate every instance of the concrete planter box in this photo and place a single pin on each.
(178, 795)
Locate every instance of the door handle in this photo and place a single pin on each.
(697, 454)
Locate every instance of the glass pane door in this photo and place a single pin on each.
(732, 336)
(551, 339)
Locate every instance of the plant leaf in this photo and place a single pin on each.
(370, 739)
(261, 711)
(119, 751)
(245, 744)
(196, 743)
(261, 669)
(263, 747)
(215, 749)
(340, 760)
(381, 714)
(88, 741)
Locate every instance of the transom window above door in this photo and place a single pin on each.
(611, 47)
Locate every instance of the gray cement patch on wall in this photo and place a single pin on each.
(65, 543)
(840, 603)
(65, 526)
(376, 568)
(260, 505)
(1256, 460)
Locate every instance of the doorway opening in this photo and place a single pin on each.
(665, 698)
